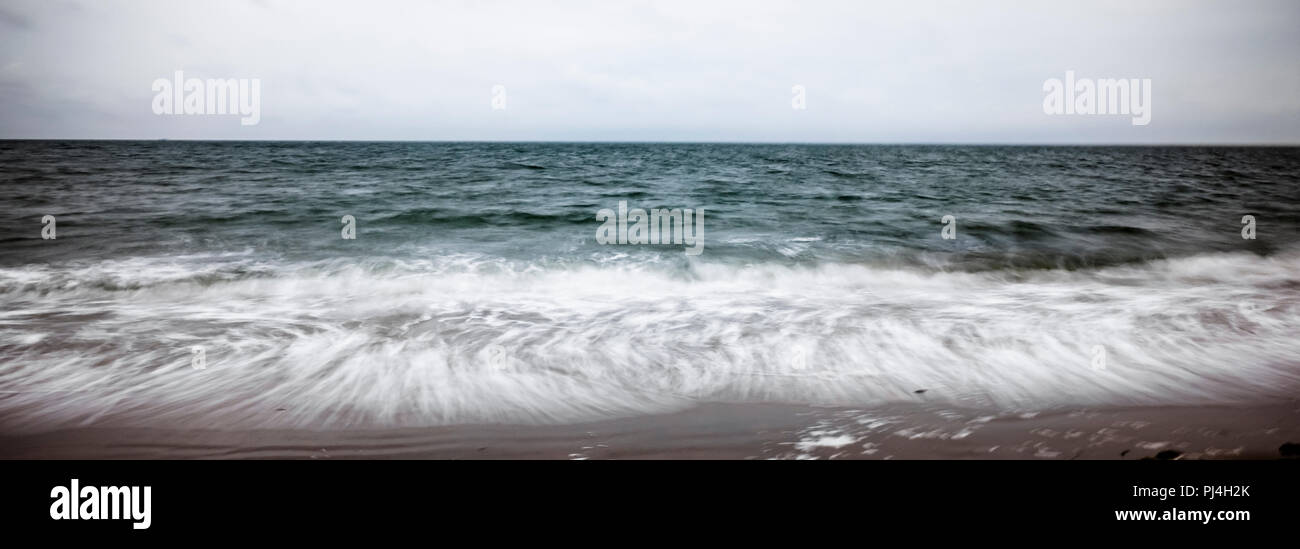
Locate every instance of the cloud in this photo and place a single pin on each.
(892, 71)
(14, 20)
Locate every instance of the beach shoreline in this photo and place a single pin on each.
(730, 431)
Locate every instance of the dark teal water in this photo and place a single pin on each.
(475, 288)
(1035, 207)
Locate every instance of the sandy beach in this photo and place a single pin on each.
(731, 431)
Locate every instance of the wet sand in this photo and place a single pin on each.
(730, 431)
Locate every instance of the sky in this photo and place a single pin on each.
(902, 71)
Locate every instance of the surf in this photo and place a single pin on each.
(337, 345)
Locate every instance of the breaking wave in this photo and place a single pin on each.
(475, 339)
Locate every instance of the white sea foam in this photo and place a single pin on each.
(332, 344)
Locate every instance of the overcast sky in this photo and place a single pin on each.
(697, 70)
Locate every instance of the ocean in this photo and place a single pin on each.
(209, 285)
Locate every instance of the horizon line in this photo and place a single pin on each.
(682, 142)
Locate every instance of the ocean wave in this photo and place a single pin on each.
(463, 338)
